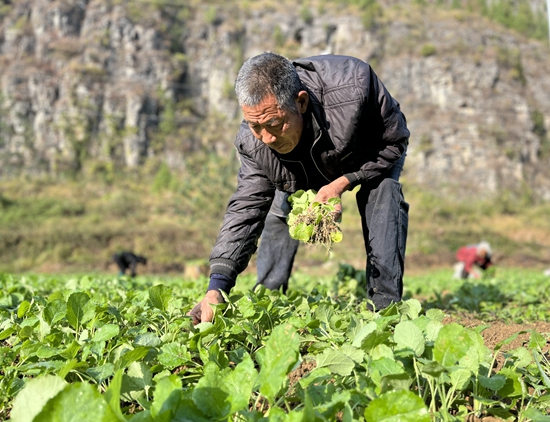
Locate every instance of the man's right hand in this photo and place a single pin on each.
(203, 312)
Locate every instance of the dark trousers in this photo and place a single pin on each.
(275, 254)
(384, 218)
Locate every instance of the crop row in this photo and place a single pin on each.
(116, 349)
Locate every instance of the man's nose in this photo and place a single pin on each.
(267, 137)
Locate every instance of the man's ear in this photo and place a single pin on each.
(303, 101)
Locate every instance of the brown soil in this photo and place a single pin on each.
(305, 368)
(496, 332)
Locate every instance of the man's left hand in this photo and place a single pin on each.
(203, 312)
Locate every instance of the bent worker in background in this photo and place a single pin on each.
(128, 260)
(472, 259)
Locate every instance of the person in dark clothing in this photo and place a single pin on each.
(325, 123)
(128, 260)
(471, 258)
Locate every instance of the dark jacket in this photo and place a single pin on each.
(358, 131)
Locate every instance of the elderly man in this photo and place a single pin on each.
(325, 123)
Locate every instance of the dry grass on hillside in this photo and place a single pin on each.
(65, 226)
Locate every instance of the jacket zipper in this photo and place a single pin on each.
(313, 146)
(303, 168)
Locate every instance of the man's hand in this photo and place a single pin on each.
(334, 189)
(203, 312)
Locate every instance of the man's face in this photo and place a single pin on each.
(278, 129)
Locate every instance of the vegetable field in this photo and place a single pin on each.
(102, 348)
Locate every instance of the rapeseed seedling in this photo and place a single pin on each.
(313, 222)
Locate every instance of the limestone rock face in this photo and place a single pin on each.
(100, 80)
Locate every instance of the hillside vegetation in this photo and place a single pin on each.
(53, 225)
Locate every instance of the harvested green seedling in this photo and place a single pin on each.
(313, 222)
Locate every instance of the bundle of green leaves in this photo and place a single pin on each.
(313, 222)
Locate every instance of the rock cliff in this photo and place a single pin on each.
(122, 82)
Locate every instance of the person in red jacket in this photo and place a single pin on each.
(471, 258)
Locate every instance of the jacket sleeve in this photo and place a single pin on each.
(243, 221)
(468, 256)
(382, 124)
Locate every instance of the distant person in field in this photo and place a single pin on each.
(472, 259)
(325, 123)
(128, 260)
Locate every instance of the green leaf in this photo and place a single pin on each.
(434, 369)
(391, 382)
(209, 394)
(106, 332)
(452, 344)
(512, 386)
(54, 311)
(163, 390)
(112, 394)
(334, 201)
(173, 355)
(7, 332)
(298, 197)
(535, 415)
(147, 339)
(30, 401)
(411, 308)
(386, 366)
(23, 308)
(239, 384)
(432, 330)
(71, 351)
(336, 361)
(160, 296)
(187, 411)
(80, 309)
(353, 353)
(495, 383)
(470, 361)
(337, 236)
(536, 341)
(301, 231)
(45, 352)
(363, 332)
(397, 406)
(460, 378)
(132, 356)
(77, 402)
(435, 314)
(136, 382)
(101, 373)
(277, 359)
(374, 339)
(324, 313)
(545, 378)
(408, 336)
(67, 367)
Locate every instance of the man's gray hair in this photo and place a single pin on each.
(268, 74)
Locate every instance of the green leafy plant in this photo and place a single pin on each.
(97, 348)
(313, 222)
